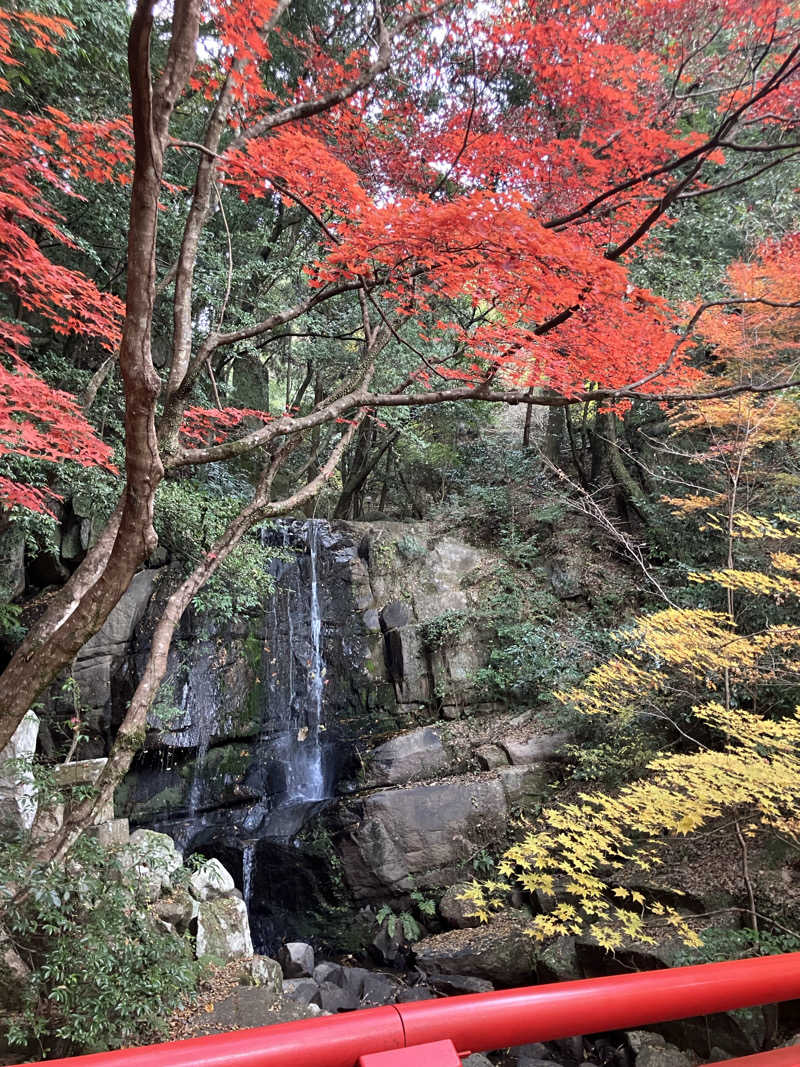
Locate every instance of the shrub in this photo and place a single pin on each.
(103, 972)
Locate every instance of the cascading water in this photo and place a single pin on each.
(248, 855)
(294, 665)
(253, 761)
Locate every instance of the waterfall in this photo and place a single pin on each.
(247, 872)
(309, 784)
(294, 670)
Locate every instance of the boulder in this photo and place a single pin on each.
(535, 749)
(417, 754)
(500, 951)
(353, 979)
(177, 909)
(223, 931)
(526, 786)
(415, 993)
(387, 947)
(667, 1056)
(263, 971)
(420, 834)
(333, 998)
(210, 881)
(641, 1039)
(330, 972)
(149, 860)
(558, 961)
(530, 1055)
(490, 757)
(303, 991)
(455, 984)
(297, 959)
(18, 802)
(458, 912)
(378, 989)
(477, 1059)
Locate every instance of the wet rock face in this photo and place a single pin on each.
(260, 714)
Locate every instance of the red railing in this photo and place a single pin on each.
(483, 1021)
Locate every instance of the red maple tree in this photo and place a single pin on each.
(476, 178)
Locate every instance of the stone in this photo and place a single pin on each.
(536, 749)
(18, 803)
(407, 664)
(329, 972)
(297, 959)
(526, 786)
(303, 991)
(378, 989)
(500, 951)
(458, 912)
(395, 614)
(333, 998)
(263, 971)
(177, 909)
(668, 1056)
(388, 947)
(210, 881)
(417, 754)
(415, 993)
(423, 830)
(223, 931)
(558, 961)
(530, 1055)
(639, 1039)
(149, 860)
(103, 654)
(455, 984)
(490, 757)
(353, 979)
(477, 1059)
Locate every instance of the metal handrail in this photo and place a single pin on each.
(482, 1021)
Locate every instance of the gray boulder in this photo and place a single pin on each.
(477, 1059)
(263, 971)
(223, 931)
(490, 757)
(378, 989)
(303, 991)
(456, 911)
(500, 951)
(210, 881)
(417, 754)
(329, 972)
(533, 1054)
(18, 802)
(297, 959)
(353, 979)
(455, 984)
(333, 998)
(148, 861)
(422, 831)
(415, 993)
(668, 1056)
(536, 749)
(177, 909)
